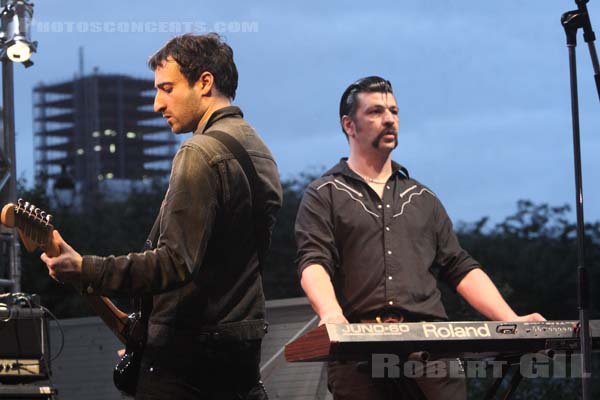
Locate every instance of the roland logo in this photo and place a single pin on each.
(449, 330)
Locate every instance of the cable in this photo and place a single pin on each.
(62, 333)
(27, 299)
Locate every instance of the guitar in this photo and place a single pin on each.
(35, 230)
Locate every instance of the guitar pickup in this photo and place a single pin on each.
(507, 329)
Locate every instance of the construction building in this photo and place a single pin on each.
(102, 129)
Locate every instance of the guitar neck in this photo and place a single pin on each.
(50, 246)
(115, 319)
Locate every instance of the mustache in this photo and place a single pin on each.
(386, 131)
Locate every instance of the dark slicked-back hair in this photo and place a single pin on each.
(196, 54)
(370, 84)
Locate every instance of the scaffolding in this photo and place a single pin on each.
(100, 127)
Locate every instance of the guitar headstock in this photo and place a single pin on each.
(33, 224)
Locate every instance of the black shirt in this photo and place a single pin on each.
(380, 252)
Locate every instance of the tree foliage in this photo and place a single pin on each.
(532, 257)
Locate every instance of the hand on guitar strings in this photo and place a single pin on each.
(66, 267)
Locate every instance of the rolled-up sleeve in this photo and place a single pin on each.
(455, 262)
(187, 217)
(314, 231)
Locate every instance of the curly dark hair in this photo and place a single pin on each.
(370, 84)
(196, 54)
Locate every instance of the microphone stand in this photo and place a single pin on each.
(571, 22)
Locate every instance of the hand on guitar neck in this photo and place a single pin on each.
(64, 263)
(36, 230)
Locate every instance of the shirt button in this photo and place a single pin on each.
(379, 206)
(387, 228)
(90, 290)
(391, 303)
(389, 252)
(390, 277)
(388, 187)
(387, 205)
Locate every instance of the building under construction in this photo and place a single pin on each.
(103, 129)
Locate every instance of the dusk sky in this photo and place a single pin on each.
(483, 87)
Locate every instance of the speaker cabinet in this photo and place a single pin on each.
(24, 345)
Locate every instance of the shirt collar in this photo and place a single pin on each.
(343, 168)
(225, 112)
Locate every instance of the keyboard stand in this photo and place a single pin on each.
(514, 366)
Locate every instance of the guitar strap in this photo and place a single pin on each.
(149, 244)
(258, 194)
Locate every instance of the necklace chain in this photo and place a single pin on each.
(371, 180)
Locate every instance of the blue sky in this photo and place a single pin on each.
(483, 87)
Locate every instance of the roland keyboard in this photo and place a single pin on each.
(464, 339)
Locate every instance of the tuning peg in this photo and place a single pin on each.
(43, 214)
(48, 218)
(26, 205)
(31, 208)
(19, 207)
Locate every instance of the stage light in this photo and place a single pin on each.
(15, 37)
